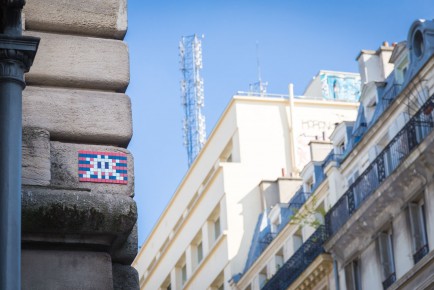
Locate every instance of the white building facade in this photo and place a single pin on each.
(202, 239)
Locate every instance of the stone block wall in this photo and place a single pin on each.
(75, 234)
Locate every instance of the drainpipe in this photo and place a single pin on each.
(16, 56)
(293, 152)
(336, 274)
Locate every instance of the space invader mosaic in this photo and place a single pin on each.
(105, 167)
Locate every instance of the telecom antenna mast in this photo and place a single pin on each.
(190, 52)
(259, 87)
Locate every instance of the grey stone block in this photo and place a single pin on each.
(126, 253)
(64, 169)
(36, 157)
(54, 270)
(125, 278)
(80, 62)
(96, 18)
(79, 115)
(67, 212)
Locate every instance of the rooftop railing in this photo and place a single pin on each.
(332, 157)
(299, 199)
(411, 135)
(392, 92)
(299, 262)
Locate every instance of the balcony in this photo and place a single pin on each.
(422, 252)
(390, 158)
(299, 262)
(299, 199)
(332, 157)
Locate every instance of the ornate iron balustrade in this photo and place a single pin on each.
(389, 281)
(332, 157)
(392, 92)
(413, 133)
(299, 199)
(267, 239)
(296, 265)
(422, 252)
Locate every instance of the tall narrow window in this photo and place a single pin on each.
(199, 252)
(262, 278)
(184, 274)
(352, 276)
(217, 229)
(416, 214)
(167, 285)
(385, 248)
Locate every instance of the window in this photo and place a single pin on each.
(340, 148)
(166, 284)
(353, 176)
(353, 279)
(262, 278)
(184, 274)
(279, 259)
(416, 216)
(309, 185)
(298, 240)
(385, 248)
(199, 252)
(217, 229)
(275, 223)
(218, 283)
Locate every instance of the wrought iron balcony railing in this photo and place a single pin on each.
(299, 199)
(422, 252)
(411, 135)
(296, 265)
(332, 157)
(392, 92)
(389, 281)
(267, 239)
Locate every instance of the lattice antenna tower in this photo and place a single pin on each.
(190, 52)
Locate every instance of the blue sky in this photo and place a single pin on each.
(296, 39)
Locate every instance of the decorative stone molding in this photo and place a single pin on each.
(56, 215)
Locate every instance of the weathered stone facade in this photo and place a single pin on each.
(76, 235)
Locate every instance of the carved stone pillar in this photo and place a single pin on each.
(16, 57)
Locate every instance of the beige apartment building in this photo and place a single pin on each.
(203, 237)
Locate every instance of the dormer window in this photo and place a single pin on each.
(340, 148)
(401, 70)
(309, 185)
(370, 108)
(418, 44)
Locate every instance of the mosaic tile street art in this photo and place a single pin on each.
(106, 167)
